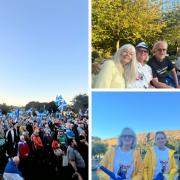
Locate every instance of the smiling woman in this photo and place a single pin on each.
(123, 161)
(159, 161)
(120, 71)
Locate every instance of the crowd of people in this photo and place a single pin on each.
(124, 160)
(131, 67)
(55, 148)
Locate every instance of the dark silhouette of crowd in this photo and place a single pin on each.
(55, 148)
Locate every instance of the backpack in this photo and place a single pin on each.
(23, 150)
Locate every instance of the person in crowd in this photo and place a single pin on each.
(159, 161)
(36, 140)
(161, 65)
(120, 71)
(144, 77)
(82, 148)
(62, 137)
(12, 138)
(75, 159)
(23, 153)
(124, 160)
(11, 171)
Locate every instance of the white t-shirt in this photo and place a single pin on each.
(123, 162)
(162, 160)
(144, 77)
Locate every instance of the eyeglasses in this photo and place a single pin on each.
(127, 52)
(162, 138)
(162, 50)
(142, 51)
(127, 136)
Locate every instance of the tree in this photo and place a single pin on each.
(80, 102)
(98, 149)
(115, 22)
(5, 109)
(37, 106)
(172, 32)
(51, 107)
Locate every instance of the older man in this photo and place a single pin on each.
(161, 65)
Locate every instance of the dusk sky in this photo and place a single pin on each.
(43, 50)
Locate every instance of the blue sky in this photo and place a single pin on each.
(43, 50)
(142, 111)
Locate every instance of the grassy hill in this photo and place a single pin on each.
(172, 134)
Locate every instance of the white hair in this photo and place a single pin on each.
(130, 69)
(156, 45)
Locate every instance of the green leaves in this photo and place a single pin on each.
(124, 21)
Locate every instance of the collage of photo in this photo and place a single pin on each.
(89, 90)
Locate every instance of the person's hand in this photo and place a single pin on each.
(159, 176)
(122, 176)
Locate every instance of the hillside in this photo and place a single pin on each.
(172, 134)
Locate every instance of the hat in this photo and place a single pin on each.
(142, 45)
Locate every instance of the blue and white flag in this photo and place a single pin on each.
(44, 113)
(80, 112)
(58, 100)
(11, 114)
(62, 106)
(39, 117)
(17, 114)
(29, 111)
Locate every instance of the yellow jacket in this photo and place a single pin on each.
(109, 76)
(108, 160)
(150, 165)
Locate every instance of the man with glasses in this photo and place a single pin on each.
(161, 65)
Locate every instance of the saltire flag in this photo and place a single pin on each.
(11, 114)
(39, 117)
(58, 100)
(29, 110)
(62, 106)
(60, 103)
(44, 113)
(17, 114)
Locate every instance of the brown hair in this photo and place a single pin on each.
(160, 132)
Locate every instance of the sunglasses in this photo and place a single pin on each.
(162, 138)
(128, 136)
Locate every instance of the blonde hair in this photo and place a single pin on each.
(156, 45)
(120, 143)
(130, 69)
